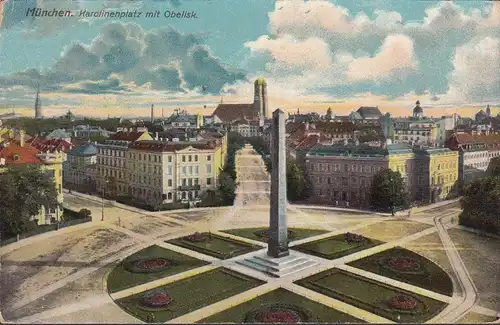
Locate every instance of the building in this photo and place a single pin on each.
(164, 172)
(112, 172)
(185, 121)
(229, 113)
(342, 174)
(369, 113)
(50, 145)
(248, 129)
(475, 153)
(17, 152)
(88, 132)
(80, 168)
(59, 134)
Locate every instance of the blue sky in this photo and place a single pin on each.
(310, 51)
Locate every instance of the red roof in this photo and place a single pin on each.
(15, 154)
(51, 145)
(231, 112)
(461, 139)
(126, 136)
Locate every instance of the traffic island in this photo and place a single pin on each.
(409, 267)
(337, 246)
(378, 298)
(280, 306)
(147, 265)
(214, 245)
(262, 234)
(175, 299)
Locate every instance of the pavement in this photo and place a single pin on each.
(142, 229)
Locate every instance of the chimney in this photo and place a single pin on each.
(307, 126)
(156, 135)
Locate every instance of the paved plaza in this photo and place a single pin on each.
(61, 277)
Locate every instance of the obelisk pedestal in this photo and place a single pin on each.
(278, 261)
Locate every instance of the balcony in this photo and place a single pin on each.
(189, 187)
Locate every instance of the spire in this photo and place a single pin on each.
(152, 113)
(38, 103)
(488, 110)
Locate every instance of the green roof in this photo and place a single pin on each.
(260, 81)
(351, 150)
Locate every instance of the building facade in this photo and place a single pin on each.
(79, 169)
(164, 172)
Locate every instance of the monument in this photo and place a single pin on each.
(278, 261)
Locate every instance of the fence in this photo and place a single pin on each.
(43, 229)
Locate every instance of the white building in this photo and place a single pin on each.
(79, 169)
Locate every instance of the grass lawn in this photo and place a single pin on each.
(121, 278)
(335, 247)
(318, 313)
(431, 277)
(192, 293)
(217, 246)
(370, 295)
(294, 233)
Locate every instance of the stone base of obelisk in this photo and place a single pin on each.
(278, 267)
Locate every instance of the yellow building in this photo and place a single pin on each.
(16, 152)
(440, 168)
(164, 172)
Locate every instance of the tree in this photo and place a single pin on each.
(227, 188)
(494, 167)
(295, 181)
(24, 190)
(481, 205)
(388, 191)
(84, 214)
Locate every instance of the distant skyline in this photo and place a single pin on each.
(313, 54)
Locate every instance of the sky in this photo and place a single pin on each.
(313, 54)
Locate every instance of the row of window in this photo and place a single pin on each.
(345, 181)
(346, 167)
(146, 156)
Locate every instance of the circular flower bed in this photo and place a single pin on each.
(264, 234)
(197, 237)
(353, 238)
(402, 302)
(404, 264)
(278, 313)
(156, 299)
(149, 265)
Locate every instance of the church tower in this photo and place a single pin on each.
(418, 112)
(260, 97)
(38, 105)
(488, 110)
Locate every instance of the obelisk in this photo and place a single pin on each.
(278, 228)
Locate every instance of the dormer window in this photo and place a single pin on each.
(15, 157)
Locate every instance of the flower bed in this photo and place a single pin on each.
(402, 302)
(149, 265)
(197, 237)
(157, 299)
(353, 238)
(278, 313)
(404, 264)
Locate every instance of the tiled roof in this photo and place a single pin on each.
(15, 154)
(231, 112)
(335, 127)
(369, 112)
(125, 136)
(50, 145)
(350, 150)
(162, 146)
(465, 138)
(88, 149)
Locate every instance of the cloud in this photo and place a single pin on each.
(396, 56)
(163, 59)
(381, 53)
(476, 74)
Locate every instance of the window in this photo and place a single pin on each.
(169, 170)
(184, 182)
(170, 160)
(209, 158)
(169, 182)
(329, 180)
(183, 158)
(209, 181)
(190, 158)
(184, 169)
(195, 157)
(196, 181)
(209, 169)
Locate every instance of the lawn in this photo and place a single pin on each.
(372, 296)
(427, 275)
(123, 275)
(309, 311)
(335, 247)
(257, 233)
(216, 246)
(190, 294)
